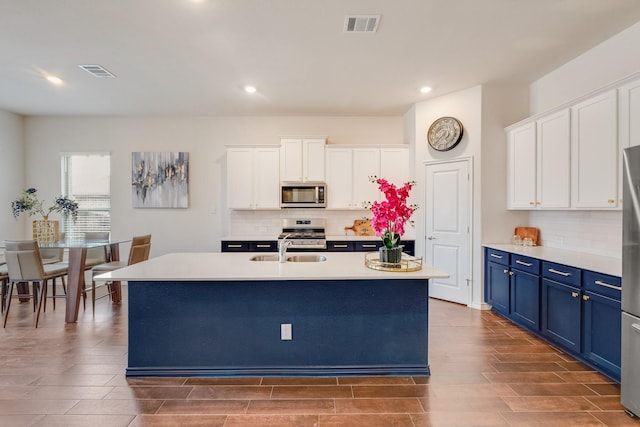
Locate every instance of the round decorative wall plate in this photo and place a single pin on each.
(445, 133)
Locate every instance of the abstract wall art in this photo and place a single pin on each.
(160, 179)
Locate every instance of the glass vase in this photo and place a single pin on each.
(390, 255)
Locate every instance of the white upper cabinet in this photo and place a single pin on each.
(253, 178)
(553, 183)
(521, 167)
(366, 164)
(594, 152)
(339, 178)
(349, 170)
(303, 160)
(628, 123)
(539, 163)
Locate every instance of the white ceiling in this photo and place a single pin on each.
(179, 57)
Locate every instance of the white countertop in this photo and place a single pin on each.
(213, 266)
(597, 263)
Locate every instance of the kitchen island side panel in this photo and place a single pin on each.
(227, 328)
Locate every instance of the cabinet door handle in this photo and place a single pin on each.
(511, 273)
(606, 285)
(526, 264)
(636, 327)
(574, 294)
(496, 256)
(585, 297)
(505, 271)
(562, 273)
(611, 201)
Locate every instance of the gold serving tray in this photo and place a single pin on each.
(407, 263)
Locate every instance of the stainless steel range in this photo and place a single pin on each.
(304, 233)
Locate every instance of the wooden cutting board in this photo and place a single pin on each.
(530, 232)
(361, 227)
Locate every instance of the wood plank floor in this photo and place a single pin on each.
(485, 372)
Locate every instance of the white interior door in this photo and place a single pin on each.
(447, 228)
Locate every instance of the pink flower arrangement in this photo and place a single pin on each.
(391, 215)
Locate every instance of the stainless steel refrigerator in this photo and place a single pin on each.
(630, 378)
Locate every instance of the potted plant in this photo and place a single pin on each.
(44, 230)
(390, 216)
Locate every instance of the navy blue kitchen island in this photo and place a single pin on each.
(344, 318)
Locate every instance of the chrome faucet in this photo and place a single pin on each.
(282, 248)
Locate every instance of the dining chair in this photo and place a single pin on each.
(24, 265)
(55, 256)
(139, 251)
(4, 279)
(96, 256)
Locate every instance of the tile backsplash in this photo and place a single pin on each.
(596, 232)
(269, 223)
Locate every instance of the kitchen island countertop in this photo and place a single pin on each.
(215, 266)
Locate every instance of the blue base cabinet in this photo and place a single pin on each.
(497, 280)
(332, 246)
(602, 321)
(577, 310)
(233, 328)
(561, 314)
(525, 299)
(525, 291)
(498, 290)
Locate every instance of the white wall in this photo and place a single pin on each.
(200, 227)
(594, 232)
(612, 60)
(484, 112)
(501, 105)
(12, 171)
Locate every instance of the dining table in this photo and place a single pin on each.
(77, 255)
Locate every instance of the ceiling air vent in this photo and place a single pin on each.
(361, 23)
(97, 70)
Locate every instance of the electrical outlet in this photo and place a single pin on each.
(285, 332)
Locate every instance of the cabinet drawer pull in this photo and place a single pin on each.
(562, 273)
(339, 246)
(606, 285)
(263, 246)
(526, 264)
(496, 256)
(368, 246)
(574, 294)
(234, 246)
(636, 327)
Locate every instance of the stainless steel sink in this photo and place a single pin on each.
(306, 258)
(264, 258)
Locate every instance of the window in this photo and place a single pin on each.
(86, 178)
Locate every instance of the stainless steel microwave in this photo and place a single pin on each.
(303, 195)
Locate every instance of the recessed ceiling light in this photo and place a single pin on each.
(425, 89)
(54, 80)
(250, 89)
